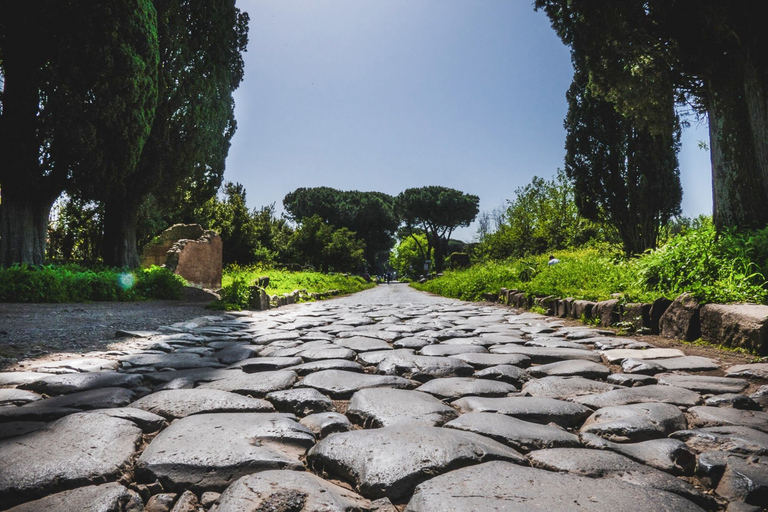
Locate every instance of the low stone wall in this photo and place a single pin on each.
(189, 251)
(732, 325)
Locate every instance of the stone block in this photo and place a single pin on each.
(608, 311)
(583, 308)
(681, 319)
(189, 251)
(564, 307)
(636, 314)
(736, 325)
(658, 307)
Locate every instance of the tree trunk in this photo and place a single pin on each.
(24, 227)
(120, 216)
(738, 124)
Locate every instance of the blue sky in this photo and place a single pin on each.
(386, 95)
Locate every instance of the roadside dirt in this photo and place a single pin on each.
(37, 330)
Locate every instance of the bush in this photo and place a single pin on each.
(73, 283)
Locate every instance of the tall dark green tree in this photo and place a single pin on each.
(201, 45)
(370, 215)
(78, 92)
(713, 52)
(623, 173)
(437, 212)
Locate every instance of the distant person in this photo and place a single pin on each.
(553, 260)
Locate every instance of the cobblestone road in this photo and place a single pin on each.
(386, 400)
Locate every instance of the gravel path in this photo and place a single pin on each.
(386, 400)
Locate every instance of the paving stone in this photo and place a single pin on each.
(642, 394)
(457, 387)
(745, 479)
(635, 422)
(733, 439)
(703, 383)
(235, 353)
(541, 341)
(669, 455)
(523, 436)
(87, 364)
(631, 380)
(610, 343)
(704, 416)
(265, 364)
(324, 423)
(641, 366)
(606, 464)
(300, 401)
(572, 368)
(362, 344)
(111, 497)
(761, 396)
(326, 364)
(616, 356)
(478, 360)
(382, 407)
(253, 384)
(210, 451)
(19, 428)
(178, 361)
(380, 335)
(318, 354)
(448, 350)
(685, 363)
(375, 357)
(34, 412)
(100, 398)
(541, 355)
(471, 340)
(179, 403)
(504, 373)
(412, 343)
(502, 486)
(391, 461)
(18, 378)
(59, 462)
(289, 490)
(342, 384)
(504, 338)
(17, 397)
(533, 409)
(148, 422)
(74, 382)
(735, 400)
(423, 368)
(266, 339)
(565, 387)
(749, 371)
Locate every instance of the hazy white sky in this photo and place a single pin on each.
(386, 95)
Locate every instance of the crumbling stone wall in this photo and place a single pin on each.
(189, 251)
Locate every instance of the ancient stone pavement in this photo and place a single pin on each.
(386, 400)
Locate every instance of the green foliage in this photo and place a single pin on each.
(237, 281)
(319, 245)
(436, 212)
(542, 217)
(370, 215)
(730, 267)
(407, 259)
(74, 283)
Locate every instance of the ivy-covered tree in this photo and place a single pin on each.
(713, 52)
(370, 215)
(78, 92)
(437, 212)
(200, 46)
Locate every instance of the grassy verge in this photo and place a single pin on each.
(74, 283)
(237, 280)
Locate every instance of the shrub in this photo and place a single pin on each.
(157, 283)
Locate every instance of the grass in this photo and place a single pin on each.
(237, 280)
(75, 283)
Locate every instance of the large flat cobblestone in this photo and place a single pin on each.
(385, 400)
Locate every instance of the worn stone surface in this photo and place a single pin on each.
(533, 409)
(504, 373)
(59, 462)
(573, 368)
(703, 383)
(289, 490)
(635, 422)
(342, 384)
(616, 356)
(543, 355)
(179, 403)
(565, 387)
(705, 416)
(391, 461)
(523, 436)
(456, 387)
(210, 451)
(17, 397)
(74, 382)
(423, 368)
(503, 486)
(300, 401)
(253, 384)
(681, 319)
(111, 497)
(750, 371)
(734, 439)
(382, 407)
(642, 394)
(670, 455)
(324, 423)
(736, 325)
